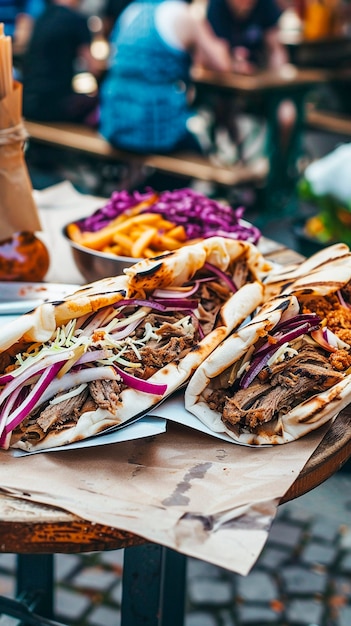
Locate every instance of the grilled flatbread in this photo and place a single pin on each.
(287, 371)
(325, 271)
(115, 348)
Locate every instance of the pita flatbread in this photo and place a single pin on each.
(171, 271)
(324, 272)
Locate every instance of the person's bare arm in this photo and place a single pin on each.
(276, 52)
(241, 61)
(205, 47)
(23, 30)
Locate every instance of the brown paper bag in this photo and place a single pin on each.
(18, 211)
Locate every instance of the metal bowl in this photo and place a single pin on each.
(94, 265)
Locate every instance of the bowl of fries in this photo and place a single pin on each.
(94, 264)
(134, 226)
(107, 251)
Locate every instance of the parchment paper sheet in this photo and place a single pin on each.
(183, 489)
(206, 498)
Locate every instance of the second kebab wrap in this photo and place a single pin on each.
(287, 371)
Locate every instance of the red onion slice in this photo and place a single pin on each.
(342, 300)
(221, 274)
(291, 323)
(32, 398)
(36, 369)
(139, 384)
(280, 338)
(262, 356)
(75, 378)
(174, 304)
(176, 293)
(255, 367)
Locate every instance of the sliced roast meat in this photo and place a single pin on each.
(158, 320)
(277, 390)
(106, 394)
(153, 357)
(55, 417)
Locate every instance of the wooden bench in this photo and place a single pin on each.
(328, 121)
(86, 140)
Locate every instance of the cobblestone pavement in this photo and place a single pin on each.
(302, 578)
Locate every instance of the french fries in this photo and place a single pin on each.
(141, 235)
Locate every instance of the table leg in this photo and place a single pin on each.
(153, 586)
(34, 602)
(283, 175)
(35, 577)
(172, 601)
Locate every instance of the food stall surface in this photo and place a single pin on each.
(303, 576)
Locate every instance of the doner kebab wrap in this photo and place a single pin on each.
(117, 347)
(288, 370)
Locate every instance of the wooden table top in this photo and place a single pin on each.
(27, 527)
(289, 76)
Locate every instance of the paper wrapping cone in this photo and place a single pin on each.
(18, 211)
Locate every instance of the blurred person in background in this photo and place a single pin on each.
(60, 41)
(145, 104)
(18, 17)
(251, 27)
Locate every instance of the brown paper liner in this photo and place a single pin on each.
(18, 211)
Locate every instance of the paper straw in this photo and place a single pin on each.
(2, 77)
(8, 72)
(6, 82)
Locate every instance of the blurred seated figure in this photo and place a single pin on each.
(18, 17)
(60, 39)
(251, 29)
(145, 103)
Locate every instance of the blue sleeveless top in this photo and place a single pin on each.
(143, 98)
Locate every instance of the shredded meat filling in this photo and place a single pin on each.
(212, 297)
(284, 385)
(54, 417)
(156, 356)
(106, 394)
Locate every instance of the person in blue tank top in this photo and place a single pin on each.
(144, 99)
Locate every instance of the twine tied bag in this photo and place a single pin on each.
(18, 211)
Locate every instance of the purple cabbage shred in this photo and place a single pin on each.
(201, 217)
